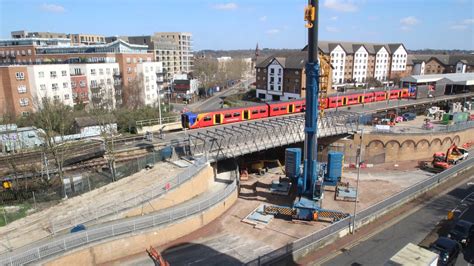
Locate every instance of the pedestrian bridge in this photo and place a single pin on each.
(229, 141)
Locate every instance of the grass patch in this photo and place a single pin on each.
(12, 216)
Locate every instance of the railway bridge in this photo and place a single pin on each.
(229, 141)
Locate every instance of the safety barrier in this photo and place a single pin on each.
(363, 216)
(76, 240)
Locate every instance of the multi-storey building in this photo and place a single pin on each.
(438, 64)
(355, 63)
(184, 42)
(50, 82)
(173, 49)
(15, 91)
(25, 34)
(42, 51)
(77, 39)
(99, 81)
(150, 77)
(283, 77)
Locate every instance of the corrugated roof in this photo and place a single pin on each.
(451, 78)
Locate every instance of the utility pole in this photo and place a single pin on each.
(359, 161)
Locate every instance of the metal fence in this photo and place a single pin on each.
(156, 121)
(115, 207)
(75, 240)
(366, 214)
(420, 131)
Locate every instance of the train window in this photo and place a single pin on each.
(298, 106)
(207, 118)
(255, 112)
(236, 114)
(283, 108)
(227, 115)
(276, 109)
(263, 111)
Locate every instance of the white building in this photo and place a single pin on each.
(360, 64)
(338, 59)
(150, 77)
(100, 78)
(399, 59)
(382, 63)
(50, 82)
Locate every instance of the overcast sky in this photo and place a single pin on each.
(438, 24)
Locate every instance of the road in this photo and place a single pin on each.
(379, 248)
(214, 102)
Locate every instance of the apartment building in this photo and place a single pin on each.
(19, 34)
(173, 49)
(183, 40)
(95, 84)
(15, 91)
(87, 39)
(50, 82)
(355, 63)
(440, 64)
(150, 78)
(282, 77)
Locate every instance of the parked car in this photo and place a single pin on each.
(447, 249)
(409, 116)
(462, 232)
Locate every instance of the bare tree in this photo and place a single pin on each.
(54, 121)
(133, 93)
(205, 69)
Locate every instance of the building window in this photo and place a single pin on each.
(128, 60)
(52, 74)
(93, 83)
(64, 73)
(271, 87)
(24, 101)
(73, 84)
(41, 74)
(25, 114)
(93, 71)
(297, 72)
(66, 96)
(82, 83)
(147, 79)
(65, 85)
(43, 87)
(22, 89)
(54, 86)
(56, 98)
(20, 75)
(109, 81)
(129, 70)
(101, 71)
(134, 60)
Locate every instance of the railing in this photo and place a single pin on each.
(75, 240)
(374, 210)
(156, 121)
(419, 130)
(145, 195)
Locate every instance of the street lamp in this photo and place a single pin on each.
(359, 162)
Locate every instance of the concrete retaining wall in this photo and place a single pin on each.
(156, 128)
(135, 244)
(196, 185)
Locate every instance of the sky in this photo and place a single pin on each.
(241, 24)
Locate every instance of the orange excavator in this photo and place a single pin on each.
(452, 156)
(156, 257)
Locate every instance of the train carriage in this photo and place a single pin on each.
(287, 107)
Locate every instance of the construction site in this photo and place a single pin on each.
(254, 192)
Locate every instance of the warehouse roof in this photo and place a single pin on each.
(452, 78)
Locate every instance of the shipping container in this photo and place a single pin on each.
(292, 163)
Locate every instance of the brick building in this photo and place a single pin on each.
(440, 64)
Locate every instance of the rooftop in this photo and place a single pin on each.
(451, 78)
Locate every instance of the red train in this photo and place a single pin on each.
(192, 120)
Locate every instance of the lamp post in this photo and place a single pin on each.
(359, 162)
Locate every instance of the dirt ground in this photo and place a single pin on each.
(374, 187)
(37, 226)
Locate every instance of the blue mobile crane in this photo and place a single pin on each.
(307, 205)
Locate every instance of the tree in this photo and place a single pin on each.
(205, 70)
(133, 93)
(396, 79)
(372, 82)
(54, 121)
